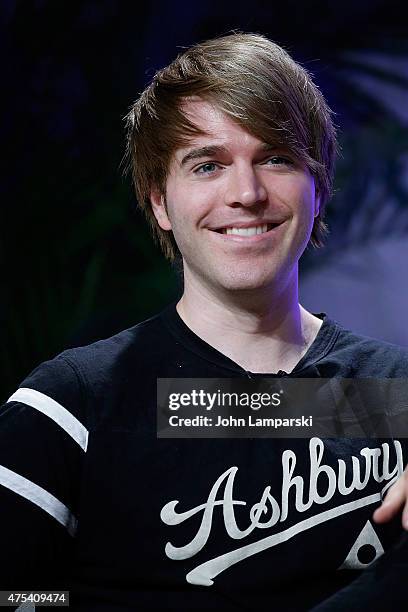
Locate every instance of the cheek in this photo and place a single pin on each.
(189, 204)
(302, 201)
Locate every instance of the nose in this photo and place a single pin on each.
(244, 187)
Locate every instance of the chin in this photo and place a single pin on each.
(245, 282)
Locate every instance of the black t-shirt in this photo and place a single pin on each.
(92, 501)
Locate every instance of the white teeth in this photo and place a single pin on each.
(246, 231)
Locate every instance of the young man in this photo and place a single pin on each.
(232, 148)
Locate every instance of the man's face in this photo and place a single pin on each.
(241, 211)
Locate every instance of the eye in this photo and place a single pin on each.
(207, 168)
(279, 160)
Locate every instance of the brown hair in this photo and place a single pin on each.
(257, 84)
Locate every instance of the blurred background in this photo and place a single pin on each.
(77, 260)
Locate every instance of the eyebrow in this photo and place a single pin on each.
(202, 152)
(211, 150)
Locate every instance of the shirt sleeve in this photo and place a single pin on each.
(43, 440)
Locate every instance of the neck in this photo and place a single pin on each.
(262, 331)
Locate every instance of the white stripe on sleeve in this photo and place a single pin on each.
(54, 411)
(39, 496)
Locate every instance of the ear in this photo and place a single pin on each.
(159, 210)
(317, 204)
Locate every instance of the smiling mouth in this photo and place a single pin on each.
(247, 231)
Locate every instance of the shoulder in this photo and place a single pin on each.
(368, 357)
(111, 362)
(126, 347)
(79, 378)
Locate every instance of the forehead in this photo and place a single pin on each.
(205, 114)
(217, 127)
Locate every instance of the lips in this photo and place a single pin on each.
(248, 239)
(248, 231)
(245, 229)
